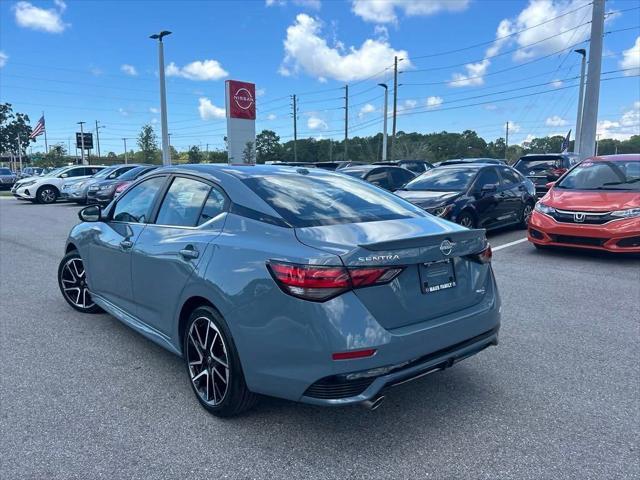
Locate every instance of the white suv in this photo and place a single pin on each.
(46, 188)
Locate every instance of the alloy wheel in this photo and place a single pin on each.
(526, 213)
(208, 361)
(48, 195)
(74, 284)
(466, 221)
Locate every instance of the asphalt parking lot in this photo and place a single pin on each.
(85, 397)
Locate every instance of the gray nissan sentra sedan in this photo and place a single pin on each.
(297, 283)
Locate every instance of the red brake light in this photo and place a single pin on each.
(120, 188)
(482, 257)
(353, 354)
(320, 283)
(558, 171)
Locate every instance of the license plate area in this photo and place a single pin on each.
(437, 276)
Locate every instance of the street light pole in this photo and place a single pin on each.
(98, 137)
(384, 128)
(166, 156)
(126, 155)
(82, 141)
(576, 142)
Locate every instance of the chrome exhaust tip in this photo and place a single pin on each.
(374, 403)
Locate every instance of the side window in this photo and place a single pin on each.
(91, 170)
(76, 172)
(183, 202)
(214, 205)
(379, 177)
(399, 177)
(488, 176)
(509, 178)
(135, 206)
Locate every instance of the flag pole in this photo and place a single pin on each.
(46, 147)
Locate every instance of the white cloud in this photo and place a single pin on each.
(625, 127)
(305, 50)
(434, 102)
(271, 116)
(315, 123)
(3, 59)
(154, 110)
(491, 107)
(43, 19)
(312, 4)
(557, 83)
(260, 92)
(555, 121)
(198, 70)
(123, 112)
(208, 110)
(384, 11)
(96, 71)
(366, 109)
(631, 59)
(129, 70)
(513, 127)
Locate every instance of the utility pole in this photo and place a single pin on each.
(20, 153)
(346, 122)
(98, 138)
(395, 104)
(166, 157)
(576, 142)
(506, 142)
(82, 141)
(126, 155)
(592, 91)
(384, 128)
(295, 128)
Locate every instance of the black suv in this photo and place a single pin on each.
(544, 168)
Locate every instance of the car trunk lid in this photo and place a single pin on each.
(439, 275)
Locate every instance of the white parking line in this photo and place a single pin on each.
(515, 242)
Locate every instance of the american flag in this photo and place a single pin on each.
(38, 129)
(565, 143)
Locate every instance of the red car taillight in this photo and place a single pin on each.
(320, 283)
(121, 187)
(559, 171)
(482, 257)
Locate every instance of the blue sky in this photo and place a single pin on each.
(92, 60)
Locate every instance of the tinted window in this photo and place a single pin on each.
(379, 177)
(76, 172)
(5, 171)
(537, 165)
(213, 206)
(618, 175)
(306, 201)
(135, 173)
(448, 179)
(509, 177)
(182, 204)
(416, 167)
(399, 177)
(116, 173)
(92, 170)
(135, 205)
(488, 176)
(355, 172)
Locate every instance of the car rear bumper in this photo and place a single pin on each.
(619, 236)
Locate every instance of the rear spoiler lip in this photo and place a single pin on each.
(435, 239)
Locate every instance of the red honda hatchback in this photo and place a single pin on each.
(595, 205)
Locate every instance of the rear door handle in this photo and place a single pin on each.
(126, 244)
(189, 252)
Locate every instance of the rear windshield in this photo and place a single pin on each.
(5, 171)
(447, 179)
(537, 164)
(309, 201)
(355, 172)
(618, 175)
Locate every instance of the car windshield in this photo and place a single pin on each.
(529, 166)
(104, 172)
(443, 180)
(308, 201)
(55, 171)
(603, 175)
(5, 171)
(133, 173)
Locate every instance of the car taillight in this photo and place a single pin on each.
(482, 257)
(558, 171)
(320, 283)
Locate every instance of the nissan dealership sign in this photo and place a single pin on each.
(241, 121)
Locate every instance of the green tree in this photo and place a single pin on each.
(248, 154)
(268, 148)
(194, 155)
(13, 126)
(57, 155)
(148, 144)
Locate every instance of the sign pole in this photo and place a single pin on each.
(82, 142)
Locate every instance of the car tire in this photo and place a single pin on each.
(466, 219)
(47, 194)
(213, 365)
(527, 210)
(72, 280)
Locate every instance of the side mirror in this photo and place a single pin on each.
(549, 185)
(64, 175)
(92, 213)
